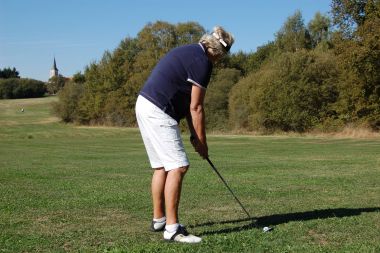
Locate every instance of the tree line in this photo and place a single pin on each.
(322, 75)
(12, 86)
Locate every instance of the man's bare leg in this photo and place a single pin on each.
(173, 188)
(173, 230)
(158, 189)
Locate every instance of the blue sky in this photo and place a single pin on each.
(77, 32)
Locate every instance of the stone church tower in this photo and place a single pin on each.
(54, 70)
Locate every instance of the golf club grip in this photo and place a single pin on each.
(225, 183)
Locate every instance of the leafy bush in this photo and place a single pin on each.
(67, 107)
(21, 88)
(55, 84)
(293, 92)
(359, 82)
(216, 101)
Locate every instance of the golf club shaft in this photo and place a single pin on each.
(225, 183)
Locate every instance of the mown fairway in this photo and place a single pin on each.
(69, 188)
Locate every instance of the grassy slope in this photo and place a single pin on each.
(67, 188)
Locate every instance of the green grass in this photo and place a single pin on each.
(68, 188)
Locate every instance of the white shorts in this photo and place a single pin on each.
(161, 136)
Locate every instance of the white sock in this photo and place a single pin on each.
(172, 228)
(161, 220)
(159, 223)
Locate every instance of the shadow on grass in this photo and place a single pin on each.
(276, 219)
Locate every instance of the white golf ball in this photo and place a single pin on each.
(266, 229)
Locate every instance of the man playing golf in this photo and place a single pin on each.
(176, 89)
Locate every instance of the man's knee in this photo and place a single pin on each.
(183, 169)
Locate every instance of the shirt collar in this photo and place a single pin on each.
(200, 44)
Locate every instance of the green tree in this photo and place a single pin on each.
(55, 84)
(320, 29)
(156, 40)
(189, 32)
(293, 35)
(9, 73)
(293, 92)
(21, 88)
(69, 97)
(109, 75)
(348, 14)
(216, 101)
(359, 60)
(238, 61)
(79, 78)
(262, 54)
(238, 103)
(247, 62)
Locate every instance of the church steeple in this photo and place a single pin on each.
(54, 70)
(55, 65)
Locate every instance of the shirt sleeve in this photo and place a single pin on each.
(199, 73)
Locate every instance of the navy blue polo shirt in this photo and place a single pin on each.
(169, 85)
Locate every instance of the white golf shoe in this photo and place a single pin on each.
(181, 235)
(157, 226)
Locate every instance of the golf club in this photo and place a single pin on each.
(225, 183)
